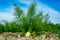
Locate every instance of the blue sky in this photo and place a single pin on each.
(55, 4)
(47, 6)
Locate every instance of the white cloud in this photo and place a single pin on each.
(54, 15)
(27, 2)
(6, 16)
(9, 10)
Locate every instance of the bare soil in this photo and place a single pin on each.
(17, 36)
